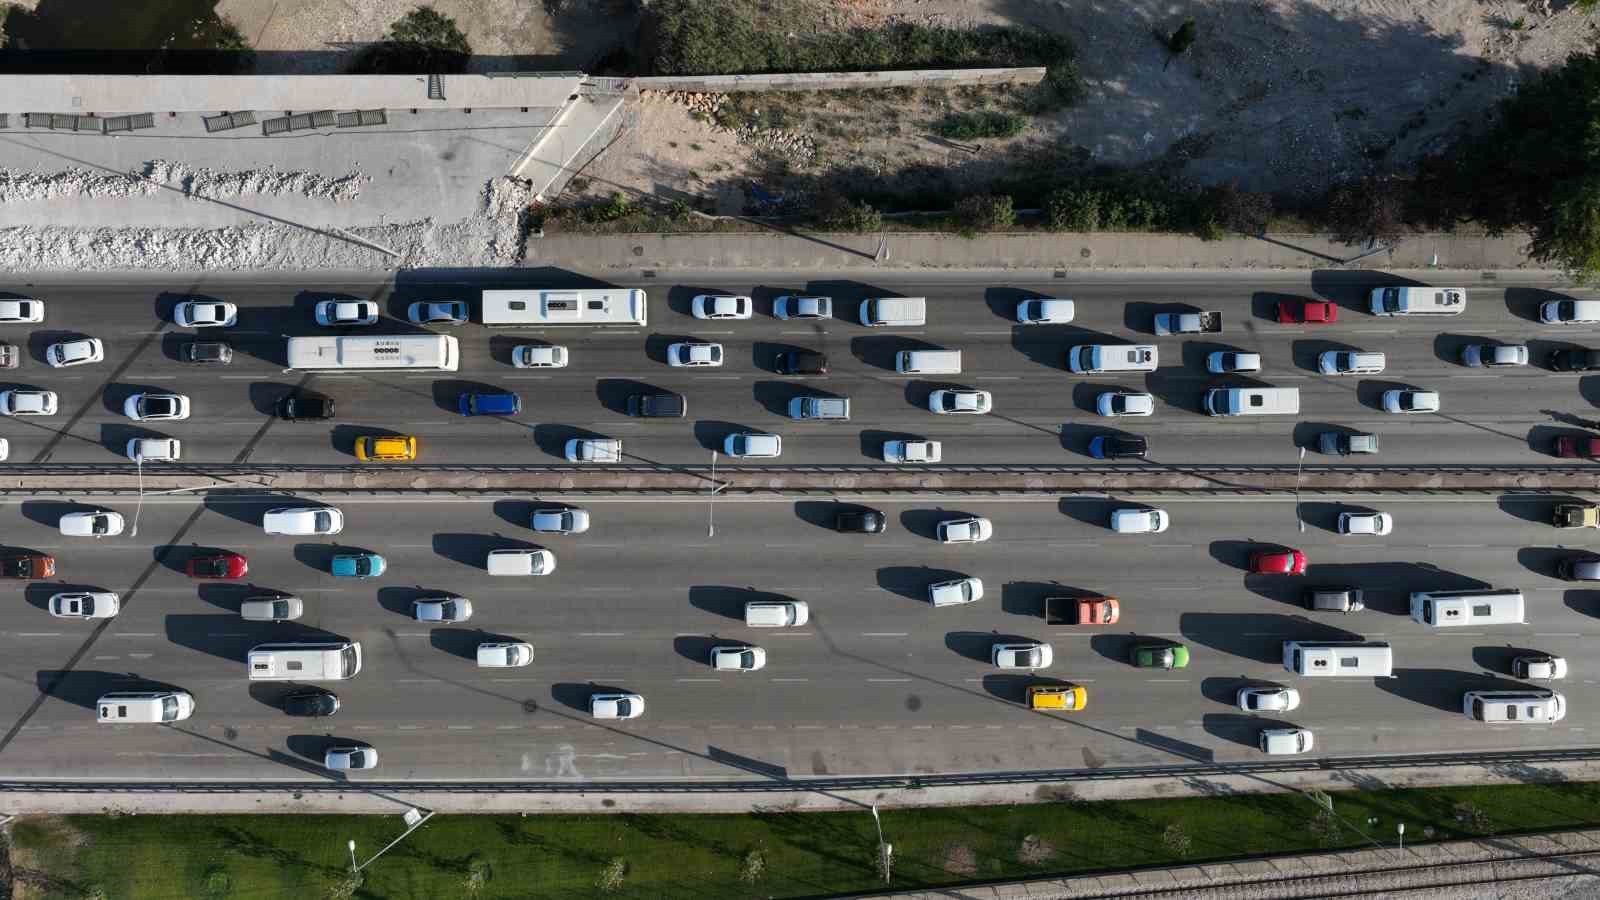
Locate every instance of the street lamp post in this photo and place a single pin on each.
(1401, 830)
(1297, 470)
(885, 849)
(139, 508)
(711, 504)
(413, 818)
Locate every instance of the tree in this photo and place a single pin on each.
(1073, 209)
(833, 211)
(1246, 212)
(1181, 40)
(612, 876)
(421, 41)
(1372, 209)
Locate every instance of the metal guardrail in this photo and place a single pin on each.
(801, 785)
(1148, 469)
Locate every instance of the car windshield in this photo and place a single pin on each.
(363, 565)
(100, 524)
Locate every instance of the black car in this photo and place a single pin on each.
(305, 405)
(1575, 359)
(315, 704)
(657, 406)
(800, 362)
(207, 353)
(861, 521)
(1118, 446)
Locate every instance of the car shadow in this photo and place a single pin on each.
(250, 506)
(977, 645)
(1092, 511)
(881, 351)
(873, 439)
(727, 601)
(774, 396)
(1537, 508)
(711, 434)
(924, 523)
(1307, 353)
(613, 393)
(1497, 658)
(1370, 391)
(461, 643)
(1115, 646)
(1543, 560)
(49, 512)
(1524, 302)
(398, 600)
(265, 396)
(1256, 636)
(472, 550)
(1012, 688)
(519, 513)
(1442, 689)
(697, 648)
(1582, 601)
(229, 597)
(575, 695)
(228, 637)
(1237, 727)
(175, 557)
(1026, 598)
(1325, 516)
(912, 581)
(85, 687)
(552, 438)
(447, 392)
(37, 594)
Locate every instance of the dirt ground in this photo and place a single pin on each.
(1288, 96)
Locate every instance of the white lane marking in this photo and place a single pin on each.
(134, 633)
(459, 727)
(883, 634)
(140, 655)
(604, 590)
(698, 680)
(600, 634)
(789, 680)
(888, 680)
(38, 634)
(1557, 634)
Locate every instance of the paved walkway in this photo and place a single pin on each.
(1099, 250)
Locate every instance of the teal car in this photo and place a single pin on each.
(1159, 656)
(358, 565)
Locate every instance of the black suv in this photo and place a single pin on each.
(800, 362)
(1575, 359)
(657, 406)
(302, 406)
(207, 353)
(860, 521)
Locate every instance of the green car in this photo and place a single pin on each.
(1159, 656)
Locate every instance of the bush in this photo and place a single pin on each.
(985, 212)
(421, 42)
(834, 211)
(1370, 209)
(1177, 840)
(1072, 209)
(753, 867)
(1246, 212)
(988, 123)
(1183, 38)
(612, 876)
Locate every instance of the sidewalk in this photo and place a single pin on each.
(1040, 250)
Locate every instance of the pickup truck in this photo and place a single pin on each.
(1577, 515)
(1209, 322)
(1081, 610)
(28, 565)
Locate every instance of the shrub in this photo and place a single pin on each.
(988, 123)
(1183, 38)
(1176, 839)
(753, 867)
(985, 212)
(1246, 212)
(1072, 209)
(421, 41)
(612, 876)
(1370, 209)
(834, 211)
(1325, 826)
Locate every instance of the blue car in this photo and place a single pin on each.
(358, 565)
(497, 403)
(1117, 446)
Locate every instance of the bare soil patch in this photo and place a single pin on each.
(1035, 851)
(959, 859)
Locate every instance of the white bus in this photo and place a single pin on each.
(538, 307)
(434, 352)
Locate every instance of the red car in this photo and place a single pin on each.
(1572, 446)
(28, 565)
(221, 565)
(1307, 312)
(1278, 562)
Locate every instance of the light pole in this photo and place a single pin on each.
(885, 850)
(413, 818)
(139, 465)
(1297, 469)
(1401, 830)
(353, 866)
(711, 504)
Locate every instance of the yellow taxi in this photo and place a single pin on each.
(1057, 696)
(386, 448)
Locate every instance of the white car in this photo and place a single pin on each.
(1285, 741)
(1045, 311)
(96, 523)
(536, 356)
(1409, 401)
(1135, 520)
(559, 520)
(438, 312)
(738, 659)
(792, 306)
(442, 609)
(344, 759)
(1222, 362)
(1032, 655)
(1537, 668)
(163, 449)
(690, 355)
(1124, 403)
(156, 407)
(912, 451)
(28, 403)
(85, 605)
(965, 531)
(963, 402)
(616, 706)
(1482, 355)
(347, 312)
(953, 593)
(722, 306)
(1268, 699)
(505, 654)
(303, 520)
(1375, 523)
(751, 445)
(205, 314)
(75, 353)
(594, 450)
(1570, 312)
(21, 311)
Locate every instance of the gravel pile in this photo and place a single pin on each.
(18, 186)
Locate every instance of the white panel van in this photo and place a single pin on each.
(1266, 401)
(776, 613)
(1418, 301)
(1502, 707)
(1349, 659)
(521, 562)
(1446, 609)
(1088, 359)
(928, 362)
(331, 661)
(144, 707)
(903, 312)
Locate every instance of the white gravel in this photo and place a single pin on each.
(20, 186)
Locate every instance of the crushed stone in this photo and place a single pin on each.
(21, 186)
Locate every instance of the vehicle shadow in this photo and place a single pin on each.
(913, 581)
(458, 642)
(1256, 636)
(85, 687)
(1497, 659)
(472, 550)
(1442, 688)
(697, 648)
(1236, 728)
(398, 600)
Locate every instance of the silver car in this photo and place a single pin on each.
(970, 530)
(438, 312)
(1482, 355)
(344, 759)
(559, 520)
(442, 609)
(790, 306)
(271, 609)
(1030, 655)
(955, 592)
(28, 403)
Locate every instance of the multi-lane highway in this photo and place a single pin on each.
(1043, 414)
(877, 682)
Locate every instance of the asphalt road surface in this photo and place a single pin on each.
(878, 682)
(1042, 413)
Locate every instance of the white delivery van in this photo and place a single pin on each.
(1418, 301)
(521, 562)
(1089, 359)
(145, 707)
(1446, 609)
(901, 312)
(928, 362)
(331, 661)
(1347, 659)
(1264, 401)
(776, 613)
(1500, 707)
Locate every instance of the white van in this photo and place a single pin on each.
(144, 707)
(521, 562)
(1348, 659)
(1418, 301)
(1570, 312)
(1268, 401)
(776, 613)
(1500, 707)
(1089, 359)
(928, 362)
(903, 312)
(332, 661)
(1446, 609)
(1350, 362)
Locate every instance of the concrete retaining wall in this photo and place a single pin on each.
(838, 81)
